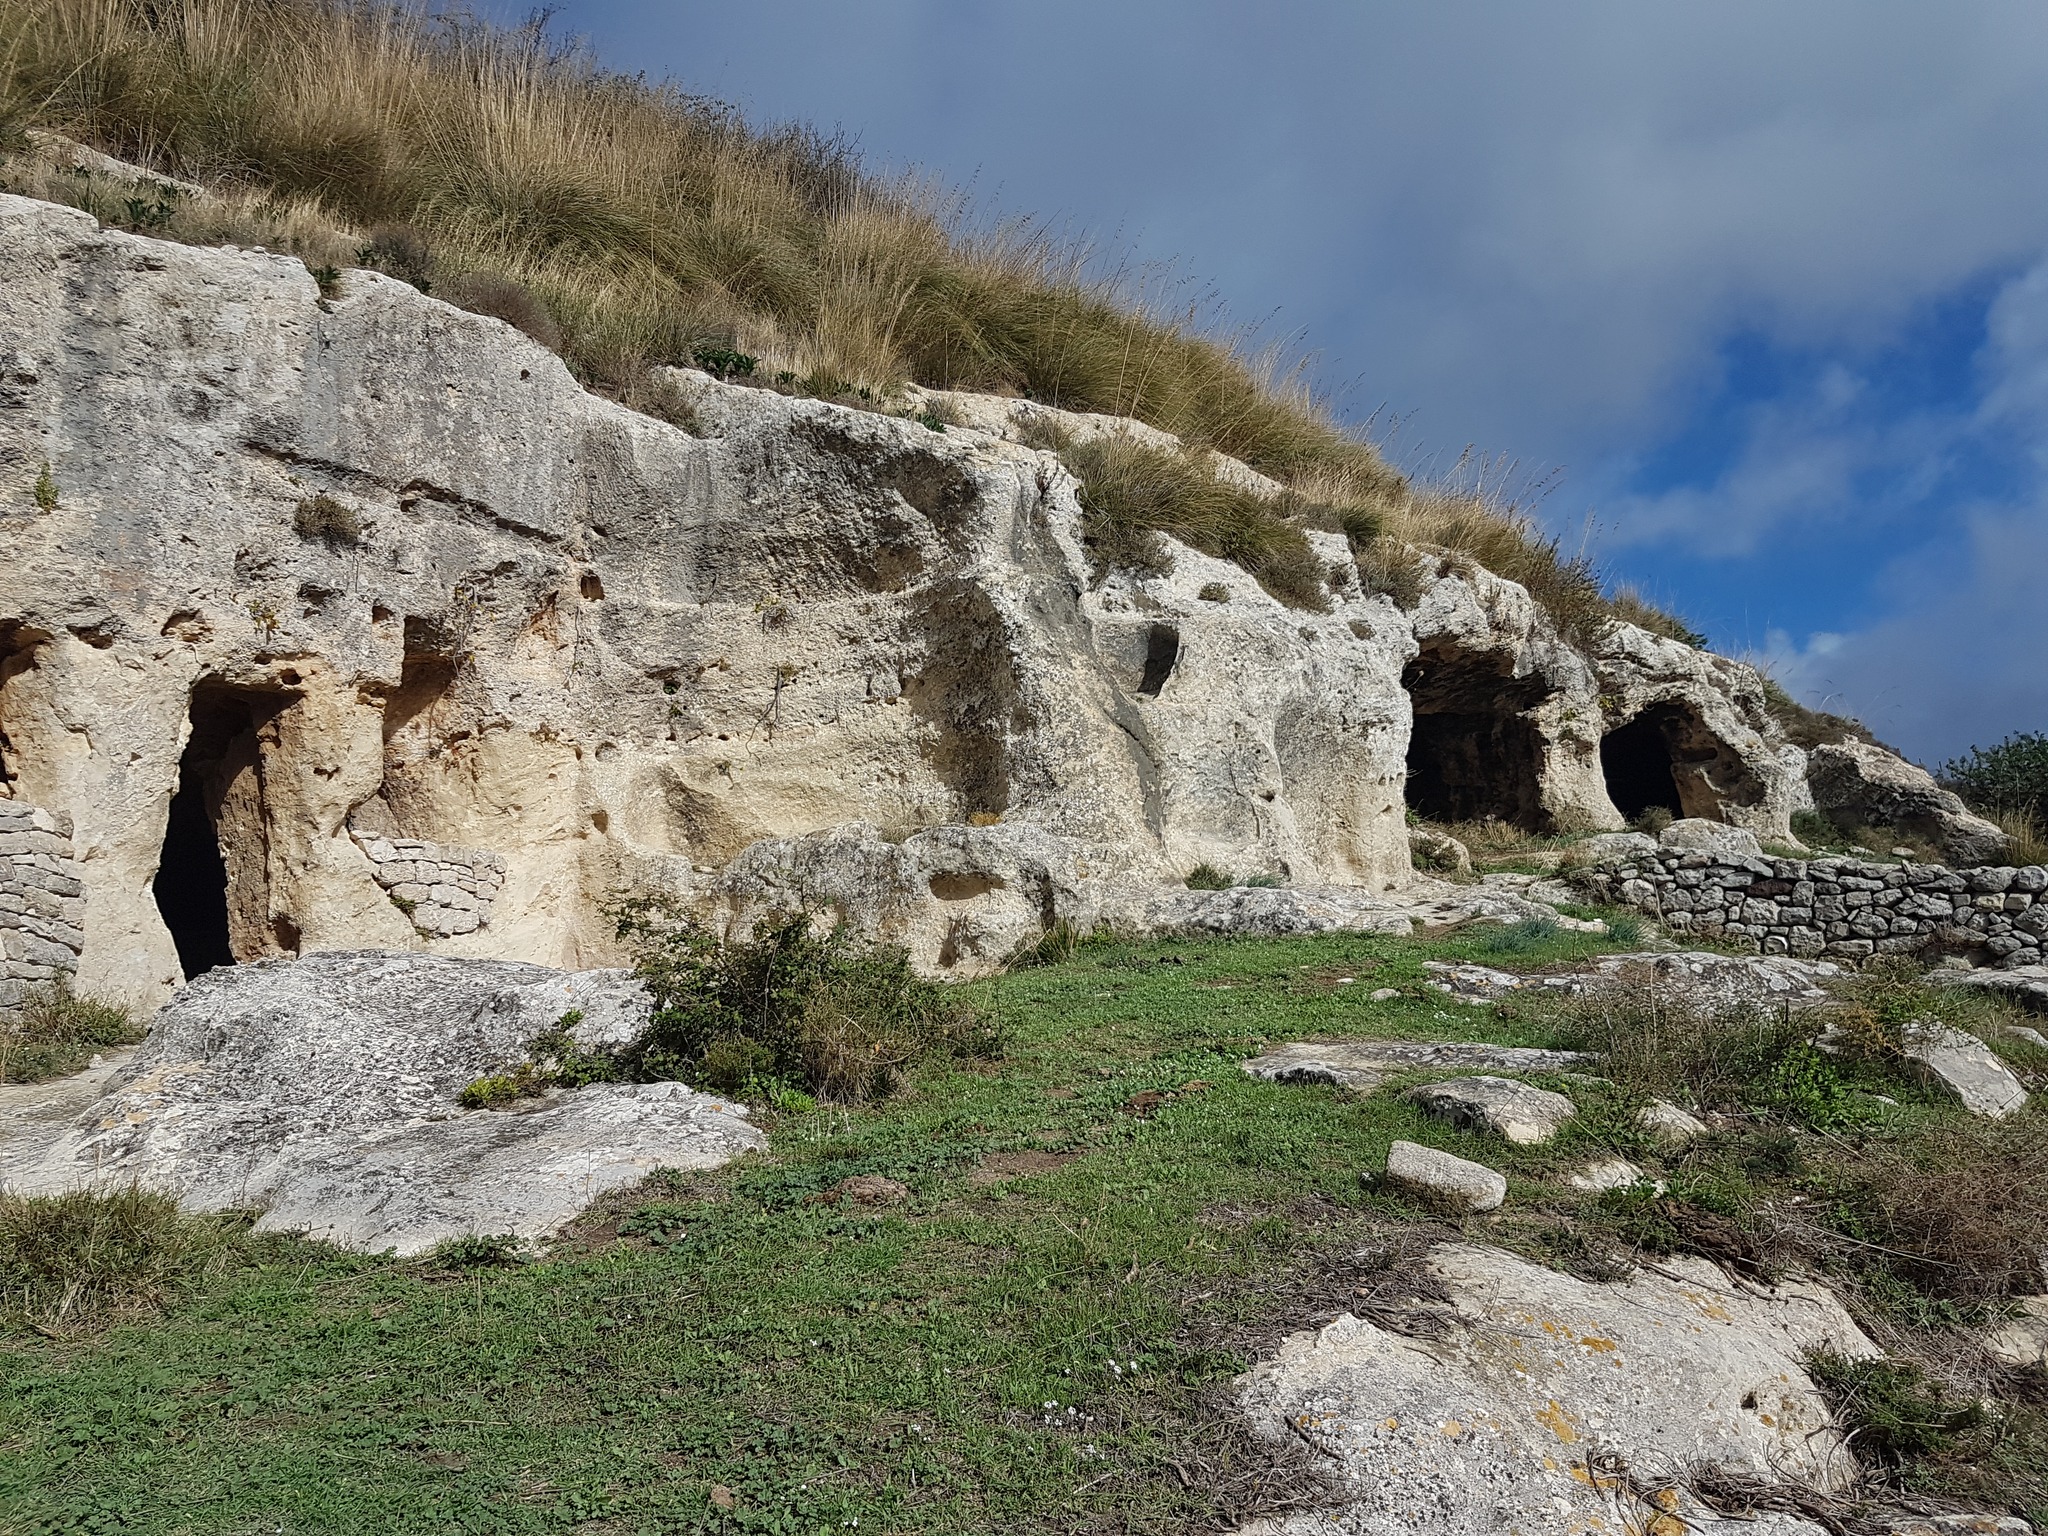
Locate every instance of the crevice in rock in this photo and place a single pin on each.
(1474, 753)
(1162, 651)
(212, 882)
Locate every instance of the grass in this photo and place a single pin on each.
(1102, 1227)
(56, 1031)
(75, 1260)
(626, 223)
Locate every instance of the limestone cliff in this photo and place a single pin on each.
(534, 648)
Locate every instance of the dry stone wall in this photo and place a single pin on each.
(42, 901)
(444, 889)
(1849, 909)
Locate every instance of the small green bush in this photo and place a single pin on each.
(1895, 1412)
(334, 523)
(479, 1252)
(787, 1006)
(1214, 592)
(1814, 829)
(1625, 928)
(2011, 776)
(1524, 937)
(55, 1031)
(1207, 877)
(724, 362)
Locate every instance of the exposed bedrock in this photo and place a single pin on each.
(534, 649)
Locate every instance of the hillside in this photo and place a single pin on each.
(629, 224)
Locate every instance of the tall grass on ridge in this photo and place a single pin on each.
(645, 223)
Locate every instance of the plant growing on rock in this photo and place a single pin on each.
(334, 523)
(46, 489)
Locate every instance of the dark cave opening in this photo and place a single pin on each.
(1473, 752)
(1636, 759)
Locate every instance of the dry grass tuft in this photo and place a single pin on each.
(71, 1260)
(55, 1031)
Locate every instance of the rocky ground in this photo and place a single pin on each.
(1351, 1232)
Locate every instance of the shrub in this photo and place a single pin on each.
(1207, 877)
(74, 1257)
(55, 1031)
(1814, 829)
(334, 523)
(2011, 776)
(787, 1005)
(1653, 820)
(1214, 592)
(46, 489)
(400, 251)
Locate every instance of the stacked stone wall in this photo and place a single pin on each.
(1847, 909)
(443, 889)
(42, 902)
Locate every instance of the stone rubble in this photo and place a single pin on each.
(1442, 1180)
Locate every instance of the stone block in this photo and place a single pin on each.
(1438, 1178)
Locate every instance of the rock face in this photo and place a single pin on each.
(1848, 909)
(1551, 1404)
(1861, 784)
(575, 650)
(323, 1092)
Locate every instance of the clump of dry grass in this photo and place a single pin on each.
(54, 1031)
(2029, 837)
(629, 224)
(74, 1259)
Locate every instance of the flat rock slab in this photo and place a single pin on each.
(1365, 1064)
(1519, 1417)
(1522, 1114)
(1964, 1067)
(322, 1092)
(1440, 1179)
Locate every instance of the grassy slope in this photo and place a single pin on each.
(913, 1368)
(820, 1363)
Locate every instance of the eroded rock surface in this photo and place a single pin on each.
(1519, 1112)
(1543, 1390)
(1365, 1064)
(322, 1092)
(1858, 783)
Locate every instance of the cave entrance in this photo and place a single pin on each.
(1636, 760)
(1473, 752)
(212, 882)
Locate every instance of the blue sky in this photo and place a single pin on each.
(1761, 289)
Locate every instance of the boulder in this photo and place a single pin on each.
(322, 1092)
(2022, 1339)
(1964, 1067)
(1439, 1179)
(1365, 1064)
(1694, 834)
(1857, 783)
(1668, 1125)
(1608, 1173)
(1555, 1404)
(1439, 851)
(1522, 1114)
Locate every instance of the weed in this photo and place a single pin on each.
(1214, 592)
(725, 363)
(334, 523)
(524, 1081)
(504, 298)
(1625, 929)
(1894, 1412)
(1131, 492)
(2029, 834)
(1814, 828)
(46, 489)
(1509, 939)
(1653, 820)
(786, 1004)
(54, 1031)
(327, 279)
(1207, 877)
(479, 1252)
(401, 251)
